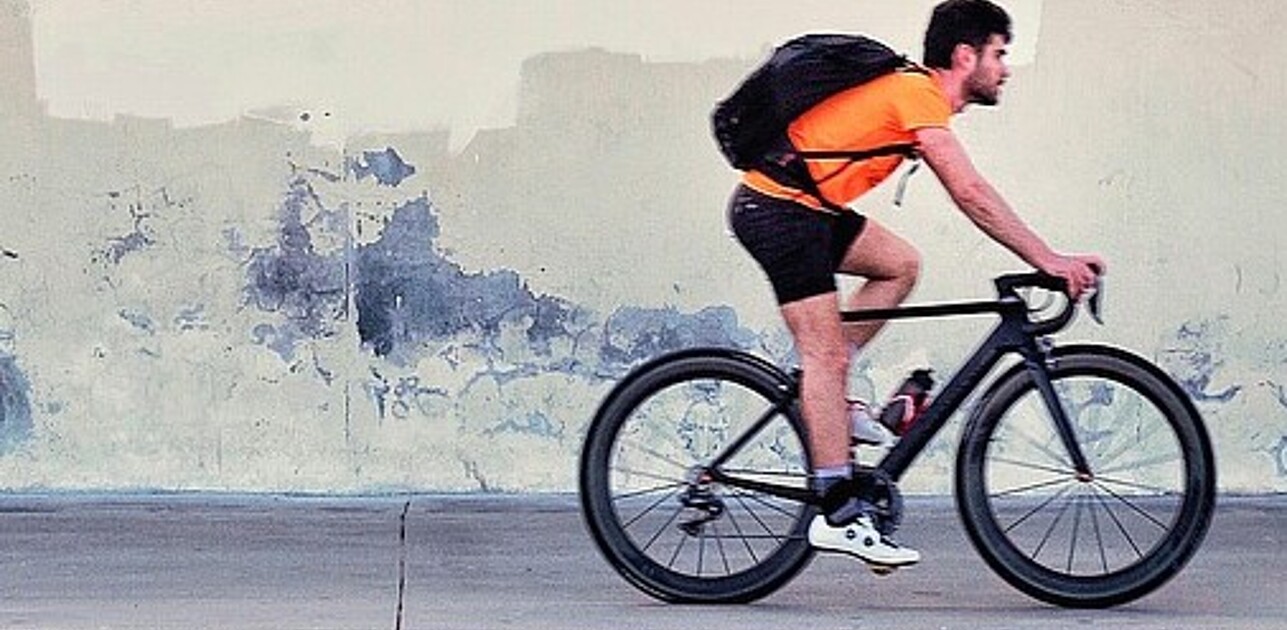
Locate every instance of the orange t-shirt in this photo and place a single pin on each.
(885, 111)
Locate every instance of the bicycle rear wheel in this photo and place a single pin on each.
(1093, 540)
(658, 519)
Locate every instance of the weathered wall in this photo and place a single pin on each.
(229, 307)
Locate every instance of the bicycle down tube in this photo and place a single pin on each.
(1011, 335)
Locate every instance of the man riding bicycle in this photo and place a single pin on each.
(801, 242)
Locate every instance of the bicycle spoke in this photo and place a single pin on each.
(663, 528)
(1072, 546)
(1130, 540)
(1035, 486)
(1137, 509)
(1156, 490)
(719, 544)
(1099, 537)
(1031, 466)
(701, 549)
(757, 519)
(746, 541)
(1040, 506)
(649, 509)
(762, 501)
(1143, 463)
(1128, 445)
(1050, 530)
(678, 548)
(648, 475)
(1042, 448)
(650, 451)
(646, 491)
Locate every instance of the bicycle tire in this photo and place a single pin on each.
(688, 395)
(1147, 514)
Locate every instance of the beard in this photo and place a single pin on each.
(979, 90)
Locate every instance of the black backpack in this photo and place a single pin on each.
(751, 124)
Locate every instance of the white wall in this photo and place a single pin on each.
(240, 305)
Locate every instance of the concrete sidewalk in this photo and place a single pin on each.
(202, 561)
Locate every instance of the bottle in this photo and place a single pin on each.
(907, 402)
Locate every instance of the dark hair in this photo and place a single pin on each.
(970, 22)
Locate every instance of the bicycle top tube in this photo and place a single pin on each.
(1008, 304)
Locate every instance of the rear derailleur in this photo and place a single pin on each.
(704, 505)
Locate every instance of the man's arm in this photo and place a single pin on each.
(988, 210)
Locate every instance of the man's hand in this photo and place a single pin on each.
(1080, 271)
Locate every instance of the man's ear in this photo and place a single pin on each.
(964, 57)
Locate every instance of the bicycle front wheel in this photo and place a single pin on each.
(1081, 540)
(657, 516)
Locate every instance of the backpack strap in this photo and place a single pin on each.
(905, 150)
(794, 161)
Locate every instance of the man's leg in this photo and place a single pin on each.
(891, 267)
(815, 325)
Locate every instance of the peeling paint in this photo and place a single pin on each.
(139, 320)
(400, 399)
(394, 349)
(535, 423)
(191, 318)
(15, 406)
(1193, 360)
(386, 166)
(634, 334)
(119, 247)
(307, 288)
(407, 293)
(1279, 452)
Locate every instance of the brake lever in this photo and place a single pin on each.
(1094, 303)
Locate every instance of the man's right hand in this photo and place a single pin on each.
(1080, 272)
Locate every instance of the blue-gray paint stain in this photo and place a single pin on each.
(1280, 391)
(407, 293)
(15, 405)
(1280, 456)
(308, 289)
(386, 166)
(140, 321)
(534, 423)
(191, 318)
(399, 399)
(1196, 364)
(635, 334)
(409, 298)
(119, 247)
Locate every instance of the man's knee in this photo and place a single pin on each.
(907, 268)
(901, 268)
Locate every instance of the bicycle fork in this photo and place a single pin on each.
(1039, 362)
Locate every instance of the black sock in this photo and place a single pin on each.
(839, 502)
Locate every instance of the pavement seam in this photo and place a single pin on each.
(402, 564)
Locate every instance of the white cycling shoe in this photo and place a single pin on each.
(862, 540)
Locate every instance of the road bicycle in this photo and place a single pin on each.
(1084, 474)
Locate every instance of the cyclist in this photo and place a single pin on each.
(801, 244)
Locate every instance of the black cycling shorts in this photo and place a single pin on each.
(800, 248)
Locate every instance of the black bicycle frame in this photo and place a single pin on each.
(1015, 333)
